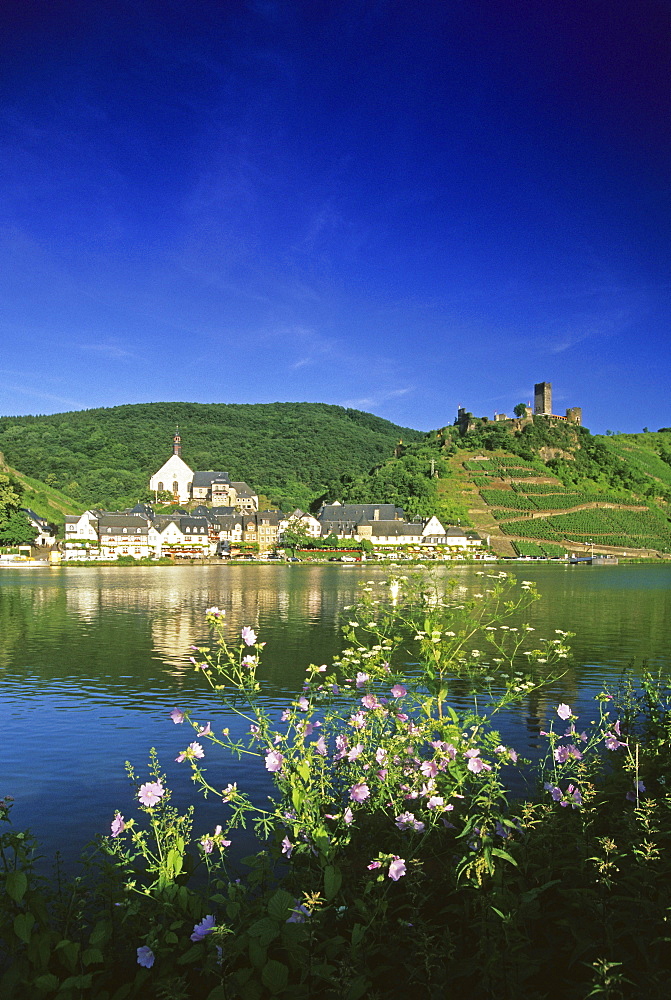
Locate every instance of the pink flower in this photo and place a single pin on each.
(357, 720)
(287, 847)
(355, 752)
(398, 691)
(380, 755)
(205, 731)
(202, 929)
(435, 802)
(359, 792)
(274, 760)
(348, 816)
(476, 765)
(408, 821)
(150, 793)
(564, 712)
(177, 716)
(248, 636)
(320, 746)
(612, 742)
(396, 868)
(249, 662)
(145, 957)
(192, 751)
(429, 768)
(207, 844)
(303, 704)
(369, 701)
(118, 825)
(374, 864)
(361, 679)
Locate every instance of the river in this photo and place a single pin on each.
(93, 660)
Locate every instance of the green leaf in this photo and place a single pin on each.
(265, 929)
(175, 861)
(358, 988)
(23, 925)
(218, 993)
(275, 976)
(48, 983)
(304, 771)
(16, 884)
(504, 854)
(332, 881)
(280, 905)
(297, 798)
(93, 956)
(357, 935)
(192, 955)
(100, 932)
(452, 714)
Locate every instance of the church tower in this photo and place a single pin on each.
(174, 476)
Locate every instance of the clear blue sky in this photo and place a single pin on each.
(396, 206)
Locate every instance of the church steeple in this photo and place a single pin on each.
(176, 443)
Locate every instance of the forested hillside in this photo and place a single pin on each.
(292, 452)
(538, 490)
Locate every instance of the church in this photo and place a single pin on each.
(177, 478)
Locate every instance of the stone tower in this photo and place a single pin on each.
(543, 399)
(177, 443)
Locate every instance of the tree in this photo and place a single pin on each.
(17, 530)
(520, 410)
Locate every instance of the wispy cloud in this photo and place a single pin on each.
(376, 399)
(108, 350)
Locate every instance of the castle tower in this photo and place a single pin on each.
(543, 399)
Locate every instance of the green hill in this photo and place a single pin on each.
(536, 489)
(292, 452)
(44, 500)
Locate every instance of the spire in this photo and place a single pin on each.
(176, 443)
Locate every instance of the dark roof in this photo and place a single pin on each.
(360, 512)
(205, 478)
(396, 528)
(121, 520)
(243, 490)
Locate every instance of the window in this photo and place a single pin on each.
(160, 487)
(175, 487)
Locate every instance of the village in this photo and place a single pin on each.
(220, 518)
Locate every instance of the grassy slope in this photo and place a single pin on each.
(44, 500)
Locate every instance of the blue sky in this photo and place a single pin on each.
(396, 206)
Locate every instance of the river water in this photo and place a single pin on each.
(92, 661)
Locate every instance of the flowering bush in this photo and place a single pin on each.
(390, 851)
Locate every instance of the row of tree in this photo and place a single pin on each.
(15, 527)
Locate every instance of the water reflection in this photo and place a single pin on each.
(93, 660)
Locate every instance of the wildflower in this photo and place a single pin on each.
(398, 691)
(612, 742)
(396, 868)
(249, 662)
(369, 701)
(361, 679)
(359, 792)
(638, 787)
(320, 746)
(564, 753)
(429, 768)
(303, 704)
(248, 636)
(202, 929)
(373, 865)
(408, 821)
(229, 792)
(564, 712)
(192, 751)
(357, 720)
(287, 847)
(207, 844)
(145, 957)
(150, 793)
(274, 760)
(435, 802)
(216, 612)
(118, 825)
(348, 816)
(298, 914)
(177, 716)
(206, 730)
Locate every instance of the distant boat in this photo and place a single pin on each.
(593, 560)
